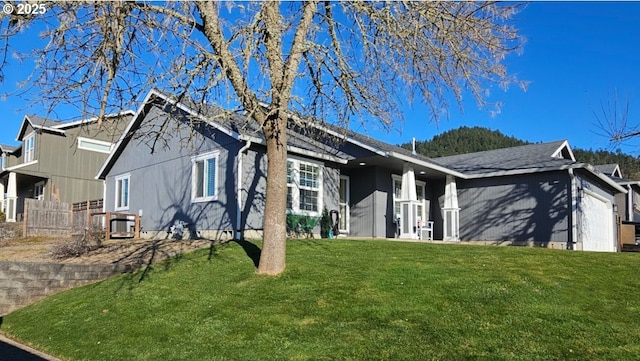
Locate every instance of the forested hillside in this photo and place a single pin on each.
(477, 139)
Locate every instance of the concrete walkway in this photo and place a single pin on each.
(13, 351)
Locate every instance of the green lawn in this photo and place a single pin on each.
(352, 300)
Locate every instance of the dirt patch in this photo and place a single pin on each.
(128, 252)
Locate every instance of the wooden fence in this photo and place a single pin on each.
(82, 216)
(47, 218)
(58, 219)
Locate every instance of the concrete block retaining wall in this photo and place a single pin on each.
(22, 283)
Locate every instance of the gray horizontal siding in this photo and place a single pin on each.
(527, 208)
(160, 185)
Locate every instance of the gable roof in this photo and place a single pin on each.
(234, 125)
(7, 148)
(539, 156)
(383, 149)
(530, 158)
(612, 169)
(56, 126)
(38, 122)
(242, 128)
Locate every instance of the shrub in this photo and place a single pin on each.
(75, 248)
(325, 223)
(3, 217)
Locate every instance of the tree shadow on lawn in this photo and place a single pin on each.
(252, 251)
(162, 255)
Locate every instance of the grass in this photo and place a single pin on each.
(352, 300)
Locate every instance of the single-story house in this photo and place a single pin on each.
(200, 166)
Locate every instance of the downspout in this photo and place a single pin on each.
(630, 203)
(574, 210)
(104, 195)
(238, 234)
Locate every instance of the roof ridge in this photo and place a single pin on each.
(559, 142)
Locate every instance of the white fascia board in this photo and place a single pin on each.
(93, 119)
(21, 165)
(603, 177)
(49, 129)
(118, 145)
(564, 144)
(26, 119)
(428, 165)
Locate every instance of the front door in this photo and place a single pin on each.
(343, 224)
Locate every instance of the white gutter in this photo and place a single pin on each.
(238, 235)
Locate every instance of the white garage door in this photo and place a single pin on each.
(596, 223)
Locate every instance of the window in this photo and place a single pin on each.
(420, 195)
(3, 161)
(94, 145)
(29, 148)
(304, 187)
(204, 177)
(122, 192)
(38, 191)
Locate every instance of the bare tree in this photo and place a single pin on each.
(612, 120)
(334, 61)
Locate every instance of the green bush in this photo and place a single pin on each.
(2, 217)
(325, 223)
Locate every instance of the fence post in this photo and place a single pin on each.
(24, 218)
(107, 228)
(137, 226)
(89, 225)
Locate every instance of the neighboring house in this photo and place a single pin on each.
(212, 179)
(628, 204)
(57, 161)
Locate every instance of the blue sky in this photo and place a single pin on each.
(577, 55)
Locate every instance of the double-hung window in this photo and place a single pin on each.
(122, 192)
(29, 148)
(304, 187)
(204, 173)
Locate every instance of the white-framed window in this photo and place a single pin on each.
(304, 186)
(94, 145)
(420, 195)
(29, 148)
(204, 177)
(123, 183)
(3, 161)
(38, 191)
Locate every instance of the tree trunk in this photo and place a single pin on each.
(273, 255)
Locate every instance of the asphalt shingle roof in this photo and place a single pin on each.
(7, 148)
(607, 169)
(43, 122)
(531, 156)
